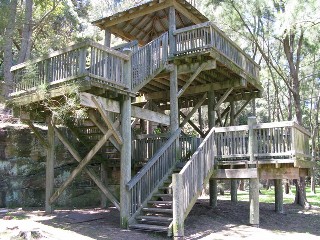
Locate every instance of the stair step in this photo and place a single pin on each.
(155, 218)
(147, 227)
(157, 210)
(160, 202)
(162, 195)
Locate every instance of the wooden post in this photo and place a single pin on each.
(234, 182)
(174, 108)
(254, 201)
(252, 143)
(125, 165)
(107, 38)
(213, 183)
(50, 166)
(253, 182)
(104, 179)
(278, 195)
(172, 28)
(177, 207)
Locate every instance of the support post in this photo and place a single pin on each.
(253, 182)
(278, 195)
(107, 38)
(251, 141)
(172, 28)
(254, 201)
(213, 183)
(50, 166)
(177, 207)
(234, 182)
(104, 179)
(125, 165)
(174, 108)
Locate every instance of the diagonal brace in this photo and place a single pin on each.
(90, 172)
(81, 165)
(195, 108)
(42, 140)
(104, 130)
(223, 98)
(107, 120)
(193, 125)
(190, 80)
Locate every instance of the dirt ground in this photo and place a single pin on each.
(227, 221)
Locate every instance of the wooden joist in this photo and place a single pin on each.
(114, 106)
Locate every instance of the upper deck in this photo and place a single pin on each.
(205, 57)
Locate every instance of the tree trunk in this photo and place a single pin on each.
(301, 197)
(8, 42)
(26, 35)
(287, 189)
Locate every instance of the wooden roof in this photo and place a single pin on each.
(149, 20)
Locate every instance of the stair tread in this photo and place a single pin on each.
(159, 202)
(160, 210)
(162, 195)
(155, 218)
(149, 227)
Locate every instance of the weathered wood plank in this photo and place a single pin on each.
(107, 120)
(236, 173)
(278, 173)
(190, 80)
(114, 106)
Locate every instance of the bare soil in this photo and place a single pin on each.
(227, 221)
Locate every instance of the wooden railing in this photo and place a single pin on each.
(189, 182)
(83, 59)
(146, 182)
(148, 60)
(276, 140)
(203, 36)
(146, 146)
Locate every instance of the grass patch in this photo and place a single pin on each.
(267, 196)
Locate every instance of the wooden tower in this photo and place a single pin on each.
(174, 58)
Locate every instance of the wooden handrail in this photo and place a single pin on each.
(153, 160)
(68, 49)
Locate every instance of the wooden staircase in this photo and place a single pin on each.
(157, 216)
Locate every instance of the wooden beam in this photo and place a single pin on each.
(132, 15)
(199, 89)
(195, 108)
(107, 120)
(134, 123)
(223, 98)
(193, 125)
(186, 13)
(254, 202)
(279, 173)
(90, 172)
(81, 165)
(114, 106)
(192, 67)
(190, 80)
(236, 173)
(41, 139)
